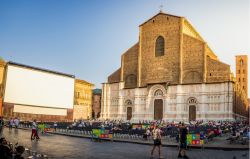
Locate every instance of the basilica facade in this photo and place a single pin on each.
(171, 74)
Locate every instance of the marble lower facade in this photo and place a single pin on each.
(169, 102)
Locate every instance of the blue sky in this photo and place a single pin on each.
(87, 38)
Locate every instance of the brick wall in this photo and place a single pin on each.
(164, 68)
(192, 60)
(129, 66)
(217, 71)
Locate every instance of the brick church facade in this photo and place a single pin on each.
(171, 74)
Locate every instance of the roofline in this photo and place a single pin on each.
(240, 55)
(192, 27)
(40, 69)
(220, 62)
(115, 71)
(83, 81)
(159, 14)
(137, 43)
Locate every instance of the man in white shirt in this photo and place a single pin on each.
(157, 140)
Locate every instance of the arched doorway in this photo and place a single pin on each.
(158, 109)
(129, 113)
(192, 112)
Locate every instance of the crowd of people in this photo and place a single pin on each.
(13, 123)
(210, 129)
(157, 129)
(147, 129)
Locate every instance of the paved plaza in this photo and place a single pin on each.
(58, 146)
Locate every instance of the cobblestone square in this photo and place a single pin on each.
(58, 146)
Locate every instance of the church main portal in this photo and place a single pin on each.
(158, 109)
(129, 113)
(192, 113)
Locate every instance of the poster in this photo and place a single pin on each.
(100, 133)
(194, 139)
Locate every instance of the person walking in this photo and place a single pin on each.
(157, 141)
(183, 141)
(34, 133)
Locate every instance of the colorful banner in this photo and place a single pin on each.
(100, 133)
(195, 139)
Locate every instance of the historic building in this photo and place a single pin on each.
(171, 74)
(2, 66)
(82, 100)
(242, 72)
(96, 103)
(241, 86)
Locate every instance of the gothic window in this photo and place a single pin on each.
(158, 93)
(159, 46)
(192, 101)
(128, 102)
(241, 62)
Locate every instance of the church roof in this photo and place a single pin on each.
(40, 69)
(160, 13)
(83, 82)
(115, 76)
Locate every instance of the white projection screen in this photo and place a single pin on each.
(34, 87)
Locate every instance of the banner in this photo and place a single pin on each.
(195, 139)
(100, 133)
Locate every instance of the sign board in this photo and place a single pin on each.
(100, 133)
(195, 139)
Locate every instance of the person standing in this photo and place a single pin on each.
(16, 122)
(55, 126)
(11, 123)
(42, 127)
(1, 124)
(147, 133)
(157, 141)
(183, 141)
